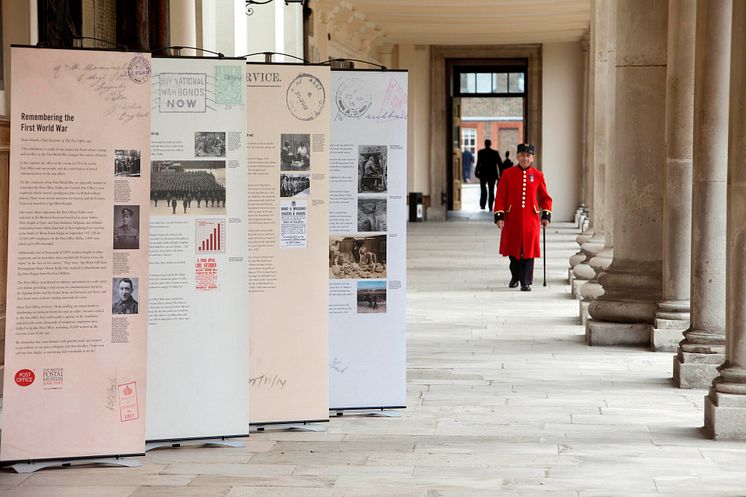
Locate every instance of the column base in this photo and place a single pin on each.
(583, 311)
(725, 416)
(583, 271)
(576, 286)
(607, 333)
(665, 339)
(576, 259)
(696, 370)
(588, 293)
(667, 333)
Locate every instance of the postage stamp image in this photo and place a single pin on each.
(228, 85)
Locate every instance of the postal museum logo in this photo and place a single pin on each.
(24, 377)
(52, 376)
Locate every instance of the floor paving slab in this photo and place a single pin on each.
(504, 399)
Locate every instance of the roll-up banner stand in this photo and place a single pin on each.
(198, 336)
(76, 334)
(367, 240)
(288, 140)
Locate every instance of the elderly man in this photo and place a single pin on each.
(126, 304)
(522, 205)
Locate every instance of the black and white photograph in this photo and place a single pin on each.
(124, 296)
(372, 168)
(209, 144)
(187, 187)
(295, 152)
(371, 214)
(127, 163)
(357, 257)
(295, 185)
(126, 227)
(371, 297)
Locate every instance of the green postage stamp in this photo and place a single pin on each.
(228, 85)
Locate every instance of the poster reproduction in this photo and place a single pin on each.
(288, 139)
(198, 337)
(76, 336)
(367, 240)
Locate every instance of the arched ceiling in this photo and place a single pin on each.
(465, 22)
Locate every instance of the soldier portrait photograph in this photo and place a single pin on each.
(126, 227)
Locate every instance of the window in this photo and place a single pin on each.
(469, 139)
(468, 83)
(515, 82)
(503, 83)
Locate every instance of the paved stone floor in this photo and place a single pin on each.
(505, 399)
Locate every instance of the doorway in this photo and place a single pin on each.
(488, 101)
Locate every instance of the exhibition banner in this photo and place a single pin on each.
(367, 240)
(288, 130)
(76, 335)
(198, 337)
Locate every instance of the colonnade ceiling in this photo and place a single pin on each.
(483, 22)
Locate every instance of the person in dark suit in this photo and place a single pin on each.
(488, 160)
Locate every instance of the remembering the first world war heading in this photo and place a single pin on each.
(46, 123)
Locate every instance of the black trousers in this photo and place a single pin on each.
(486, 189)
(522, 270)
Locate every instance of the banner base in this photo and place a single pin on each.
(365, 412)
(196, 441)
(290, 426)
(65, 463)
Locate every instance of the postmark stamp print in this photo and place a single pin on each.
(353, 97)
(306, 97)
(139, 70)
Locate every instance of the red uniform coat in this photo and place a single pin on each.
(522, 196)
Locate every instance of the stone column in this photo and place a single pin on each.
(588, 171)
(599, 255)
(583, 272)
(632, 283)
(183, 25)
(672, 317)
(585, 46)
(725, 406)
(702, 349)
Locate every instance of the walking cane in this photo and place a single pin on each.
(544, 231)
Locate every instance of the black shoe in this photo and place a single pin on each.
(513, 283)
(526, 288)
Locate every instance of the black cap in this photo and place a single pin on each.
(127, 210)
(526, 148)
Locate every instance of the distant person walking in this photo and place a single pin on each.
(488, 161)
(506, 163)
(467, 160)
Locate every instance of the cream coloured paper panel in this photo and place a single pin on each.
(288, 241)
(78, 268)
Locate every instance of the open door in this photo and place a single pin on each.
(456, 154)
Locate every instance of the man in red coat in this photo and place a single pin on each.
(522, 205)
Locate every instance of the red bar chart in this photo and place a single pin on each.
(210, 236)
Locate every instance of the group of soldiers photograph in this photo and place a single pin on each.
(174, 187)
